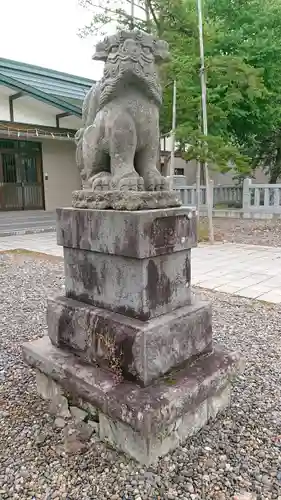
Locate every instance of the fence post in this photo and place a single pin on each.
(246, 195)
(211, 188)
(193, 195)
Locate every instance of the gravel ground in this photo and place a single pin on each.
(252, 232)
(239, 451)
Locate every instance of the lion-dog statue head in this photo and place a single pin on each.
(130, 59)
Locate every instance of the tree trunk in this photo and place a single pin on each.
(275, 170)
(202, 174)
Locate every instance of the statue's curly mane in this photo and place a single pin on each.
(135, 70)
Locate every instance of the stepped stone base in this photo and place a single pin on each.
(144, 350)
(144, 422)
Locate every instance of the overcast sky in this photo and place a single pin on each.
(44, 32)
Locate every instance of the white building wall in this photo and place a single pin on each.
(60, 173)
(28, 110)
(31, 111)
(4, 107)
(166, 143)
(72, 122)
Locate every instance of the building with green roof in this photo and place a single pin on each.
(40, 111)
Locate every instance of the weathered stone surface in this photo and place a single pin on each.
(218, 402)
(147, 450)
(94, 425)
(47, 387)
(92, 412)
(137, 234)
(139, 288)
(59, 422)
(150, 410)
(144, 350)
(59, 406)
(85, 430)
(73, 445)
(81, 430)
(125, 200)
(117, 146)
(77, 413)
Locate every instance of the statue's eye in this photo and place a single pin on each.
(114, 49)
(146, 50)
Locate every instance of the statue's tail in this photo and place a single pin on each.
(89, 111)
(79, 153)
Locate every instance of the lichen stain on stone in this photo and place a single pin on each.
(119, 276)
(65, 326)
(132, 313)
(163, 234)
(127, 242)
(89, 277)
(187, 268)
(64, 227)
(158, 286)
(95, 226)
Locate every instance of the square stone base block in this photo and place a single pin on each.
(143, 351)
(135, 263)
(145, 422)
(138, 288)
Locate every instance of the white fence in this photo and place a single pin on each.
(262, 198)
(251, 199)
(220, 195)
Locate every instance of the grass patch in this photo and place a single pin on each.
(203, 233)
(231, 205)
(22, 252)
(170, 381)
(221, 206)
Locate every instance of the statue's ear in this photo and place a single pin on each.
(102, 51)
(161, 51)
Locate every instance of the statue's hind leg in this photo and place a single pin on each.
(122, 148)
(96, 161)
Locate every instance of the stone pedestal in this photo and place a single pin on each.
(127, 342)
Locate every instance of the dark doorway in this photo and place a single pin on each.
(21, 182)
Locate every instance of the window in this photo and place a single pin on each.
(9, 167)
(29, 172)
(6, 144)
(29, 145)
(19, 145)
(179, 171)
(20, 162)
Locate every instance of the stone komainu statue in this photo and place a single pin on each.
(117, 148)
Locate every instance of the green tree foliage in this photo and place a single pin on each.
(251, 29)
(243, 67)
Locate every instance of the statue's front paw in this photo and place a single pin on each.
(156, 182)
(128, 182)
(101, 182)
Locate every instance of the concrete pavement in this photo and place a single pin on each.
(42, 243)
(26, 222)
(244, 270)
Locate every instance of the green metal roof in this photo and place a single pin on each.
(59, 89)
